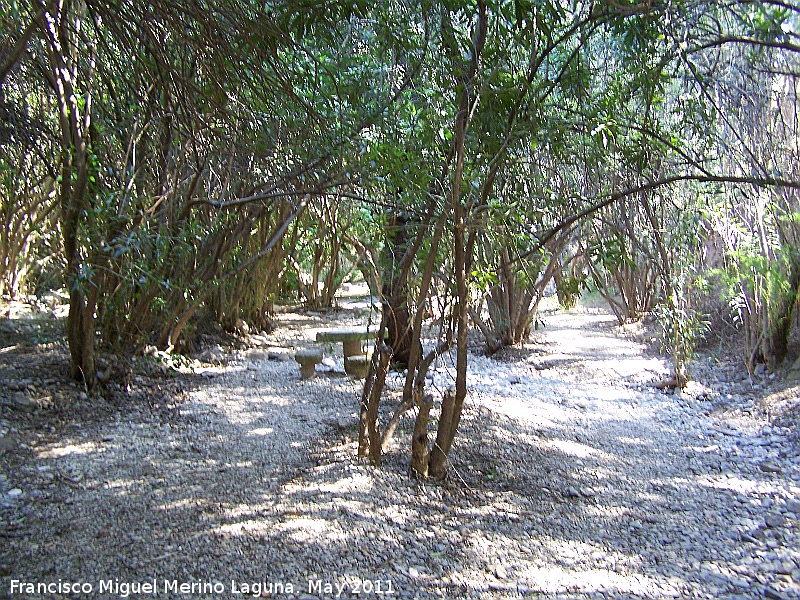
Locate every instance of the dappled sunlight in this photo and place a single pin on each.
(304, 529)
(242, 528)
(183, 503)
(261, 431)
(555, 579)
(633, 441)
(355, 483)
(740, 485)
(242, 406)
(649, 498)
(559, 567)
(576, 449)
(533, 414)
(558, 487)
(602, 473)
(629, 367)
(300, 528)
(605, 511)
(71, 449)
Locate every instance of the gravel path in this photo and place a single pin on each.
(572, 478)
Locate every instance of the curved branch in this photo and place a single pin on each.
(19, 48)
(647, 187)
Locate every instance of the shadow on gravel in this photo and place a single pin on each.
(249, 480)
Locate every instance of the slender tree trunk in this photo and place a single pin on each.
(420, 451)
(395, 292)
(452, 404)
(12, 55)
(369, 437)
(74, 122)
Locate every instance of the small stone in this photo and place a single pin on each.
(770, 592)
(514, 379)
(21, 401)
(786, 568)
(769, 467)
(772, 520)
(793, 506)
(15, 493)
(413, 572)
(500, 572)
(215, 354)
(571, 492)
(257, 354)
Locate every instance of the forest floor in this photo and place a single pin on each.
(571, 476)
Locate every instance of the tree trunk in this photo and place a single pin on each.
(395, 291)
(445, 433)
(74, 124)
(453, 402)
(369, 437)
(420, 450)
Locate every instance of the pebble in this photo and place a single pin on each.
(773, 594)
(769, 467)
(773, 520)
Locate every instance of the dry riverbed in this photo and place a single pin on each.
(572, 477)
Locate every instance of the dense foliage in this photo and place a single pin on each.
(175, 162)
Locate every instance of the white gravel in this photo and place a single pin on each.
(571, 478)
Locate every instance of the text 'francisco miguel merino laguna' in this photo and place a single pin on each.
(126, 589)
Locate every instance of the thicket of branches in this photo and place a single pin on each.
(173, 161)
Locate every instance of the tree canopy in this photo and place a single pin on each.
(171, 161)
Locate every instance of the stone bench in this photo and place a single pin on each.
(357, 366)
(351, 339)
(308, 359)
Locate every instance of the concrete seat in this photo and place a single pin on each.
(308, 359)
(357, 366)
